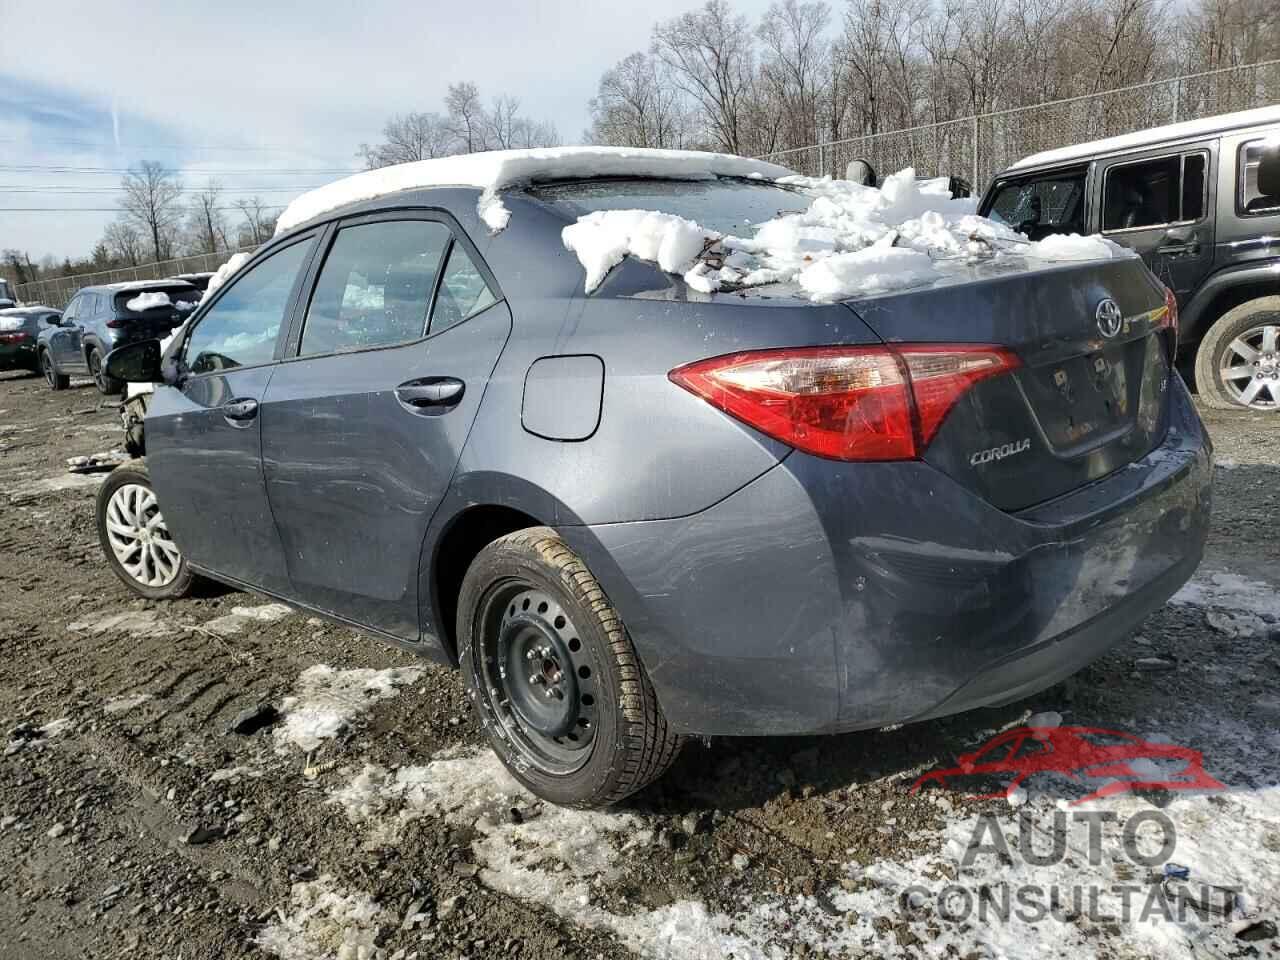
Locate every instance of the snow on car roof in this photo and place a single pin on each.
(499, 169)
(1156, 135)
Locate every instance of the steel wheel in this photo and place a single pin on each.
(1250, 367)
(139, 538)
(537, 677)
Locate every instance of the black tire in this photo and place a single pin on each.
(630, 743)
(1217, 349)
(179, 584)
(108, 386)
(55, 380)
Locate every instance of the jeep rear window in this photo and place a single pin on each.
(726, 205)
(1259, 177)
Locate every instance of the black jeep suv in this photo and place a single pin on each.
(1200, 201)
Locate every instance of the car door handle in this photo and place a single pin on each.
(430, 395)
(238, 412)
(1176, 243)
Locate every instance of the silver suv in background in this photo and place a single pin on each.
(1200, 202)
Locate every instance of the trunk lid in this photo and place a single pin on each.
(1087, 401)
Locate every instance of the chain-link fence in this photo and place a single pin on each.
(57, 292)
(977, 148)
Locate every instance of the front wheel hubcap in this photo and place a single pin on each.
(139, 538)
(1250, 367)
(538, 678)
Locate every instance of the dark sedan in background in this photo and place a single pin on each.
(19, 332)
(99, 319)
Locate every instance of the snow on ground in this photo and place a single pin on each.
(1231, 592)
(852, 240)
(326, 700)
(241, 617)
(324, 922)
(499, 169)
(149, 301)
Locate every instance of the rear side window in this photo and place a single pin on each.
(1041, 206)
(1258, 177)
(375, 287)
(1154, 193)
(240, 330)
(463, 291)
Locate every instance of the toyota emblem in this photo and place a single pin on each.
(1109, 317)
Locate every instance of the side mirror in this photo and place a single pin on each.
(54, 320)
(137, 362)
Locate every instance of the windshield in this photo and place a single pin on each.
(724, 205)
(1041, 205)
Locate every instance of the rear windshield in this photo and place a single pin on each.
(725, 205)
(184, 295)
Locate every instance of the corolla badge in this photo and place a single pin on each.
(1000, 452)
(1109, 317)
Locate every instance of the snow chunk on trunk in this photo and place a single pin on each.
(601, 239)
(852, 241)
(497, 170)
(149, 301)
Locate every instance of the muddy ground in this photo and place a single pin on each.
(135, 823)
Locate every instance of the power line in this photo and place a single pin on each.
(108, 209)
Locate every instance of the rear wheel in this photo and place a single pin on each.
(1238, 362)
(56, 380)
(97, 369)
(553, 677)
(134, 537)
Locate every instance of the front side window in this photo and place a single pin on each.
(1258, 177)
(463, 291)
(1041, 206)
(1154, 193)
(375, 287)
(240, 330)
(73, 308)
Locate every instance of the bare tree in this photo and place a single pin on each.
(466, 114)
(208, 226)
(710, 54)
(259, 223)
(124, 241)
(152, 202)
(410, 137)
(794, 65)
(638, 106)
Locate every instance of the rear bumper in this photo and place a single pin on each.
(18, 356)
(826, 596)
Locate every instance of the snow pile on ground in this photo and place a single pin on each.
(149, 301)
(327, 700)
(324, 923)
(852, 240)
(499, 169)
(1231, 592)
(241, 617)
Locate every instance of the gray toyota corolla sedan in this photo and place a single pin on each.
(646, 511)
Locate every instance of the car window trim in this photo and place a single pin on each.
(262, 254)
(1242, 172)
(457, 235)
(331, 239)
(1182, 167)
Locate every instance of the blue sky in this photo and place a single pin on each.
(268, 97)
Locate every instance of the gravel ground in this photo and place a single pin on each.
(136, 822)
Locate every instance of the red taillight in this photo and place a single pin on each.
(1169, 320)
(117, 324)
(846, 403)
(14, 337)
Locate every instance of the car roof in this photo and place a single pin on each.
(27, 311)
(131, 285)
(1147, 138)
